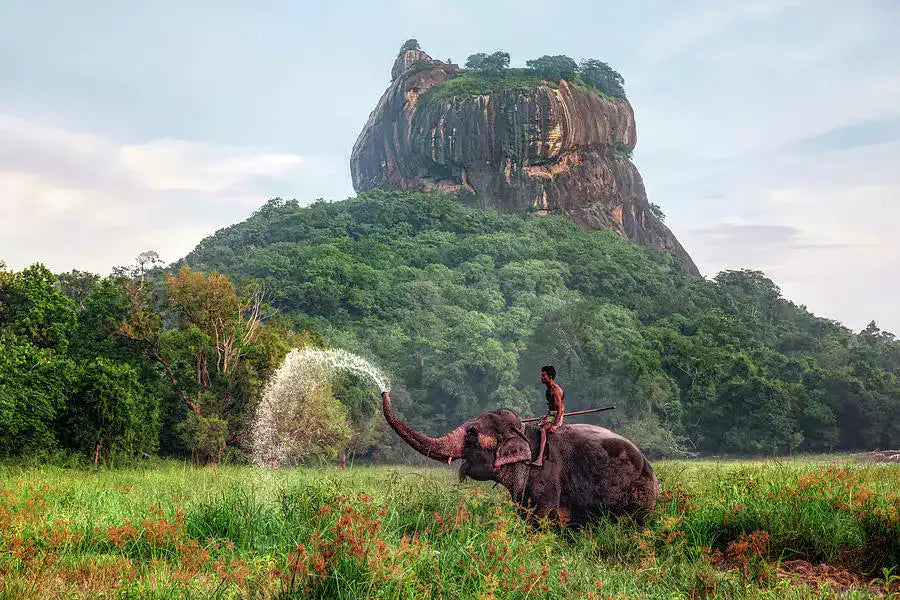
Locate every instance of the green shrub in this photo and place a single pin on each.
(472, 83)
(622, 152)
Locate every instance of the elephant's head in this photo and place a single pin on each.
(486, 443)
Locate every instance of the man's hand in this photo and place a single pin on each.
(553, 428)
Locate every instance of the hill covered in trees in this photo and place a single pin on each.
(462, 306)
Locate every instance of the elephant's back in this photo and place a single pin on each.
(594, 432)
(610, 468)
(591, 440)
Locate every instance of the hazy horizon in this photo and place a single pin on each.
(768, 133)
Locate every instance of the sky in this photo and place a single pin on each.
(768, 131)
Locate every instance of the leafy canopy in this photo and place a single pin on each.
(488, 64)
(603, 78)
(554, 67)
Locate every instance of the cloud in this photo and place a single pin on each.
(181, 165)
(857, 277)
(419, 5)
(748, 235)
(692, 23)
(831, 247)
(863, 133)
(778, 151)
(740, 87)
(758, 244)
(80, 200)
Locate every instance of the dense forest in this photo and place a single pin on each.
(461, 307)
(133, 364)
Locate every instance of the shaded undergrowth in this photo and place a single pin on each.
(721, 529)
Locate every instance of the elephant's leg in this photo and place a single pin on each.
(561, 516)
(514, 477)
(545, 493)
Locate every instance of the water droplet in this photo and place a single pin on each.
(300, 374)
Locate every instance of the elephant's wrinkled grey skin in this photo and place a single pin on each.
(588, 471)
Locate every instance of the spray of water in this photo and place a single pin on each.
(303, 371)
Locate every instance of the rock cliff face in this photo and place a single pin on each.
(561, 150)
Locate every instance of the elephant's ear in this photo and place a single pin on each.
(512, 449)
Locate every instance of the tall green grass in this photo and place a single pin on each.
(721, 530)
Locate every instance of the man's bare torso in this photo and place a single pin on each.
(554, 398)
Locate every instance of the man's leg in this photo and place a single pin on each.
(540, 457)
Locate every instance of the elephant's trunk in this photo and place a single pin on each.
(445, 448)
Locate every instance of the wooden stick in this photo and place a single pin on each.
(572, 414)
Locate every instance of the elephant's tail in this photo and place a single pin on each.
(649, 475)
(647, 470)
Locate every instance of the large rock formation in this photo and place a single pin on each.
(561, 150)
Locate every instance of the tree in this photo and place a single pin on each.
(818, 423)
(212, 317)
(656, 211)
(410, 44)
(77, 285)
(488, 64)
(210, 303)
(602, 78)
(554, 68)
(33, 310)
(758, 417)
(368, 429)
(475, 60)
(100, 318)
(36, 321)
(206, 436)
(145, 264)
(110, 412)
(878, 347)
(752, 295)
(603, 357)
(321, 428)
(495, 63)
(33, 386)
(216, 357)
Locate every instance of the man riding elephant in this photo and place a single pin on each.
(589, 471)
(555, 404)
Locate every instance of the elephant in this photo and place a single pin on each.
(588, 471)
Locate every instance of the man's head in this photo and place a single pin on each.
(548, 374)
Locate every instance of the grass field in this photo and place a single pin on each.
(722, 529)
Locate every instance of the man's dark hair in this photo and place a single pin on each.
(551, 371)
